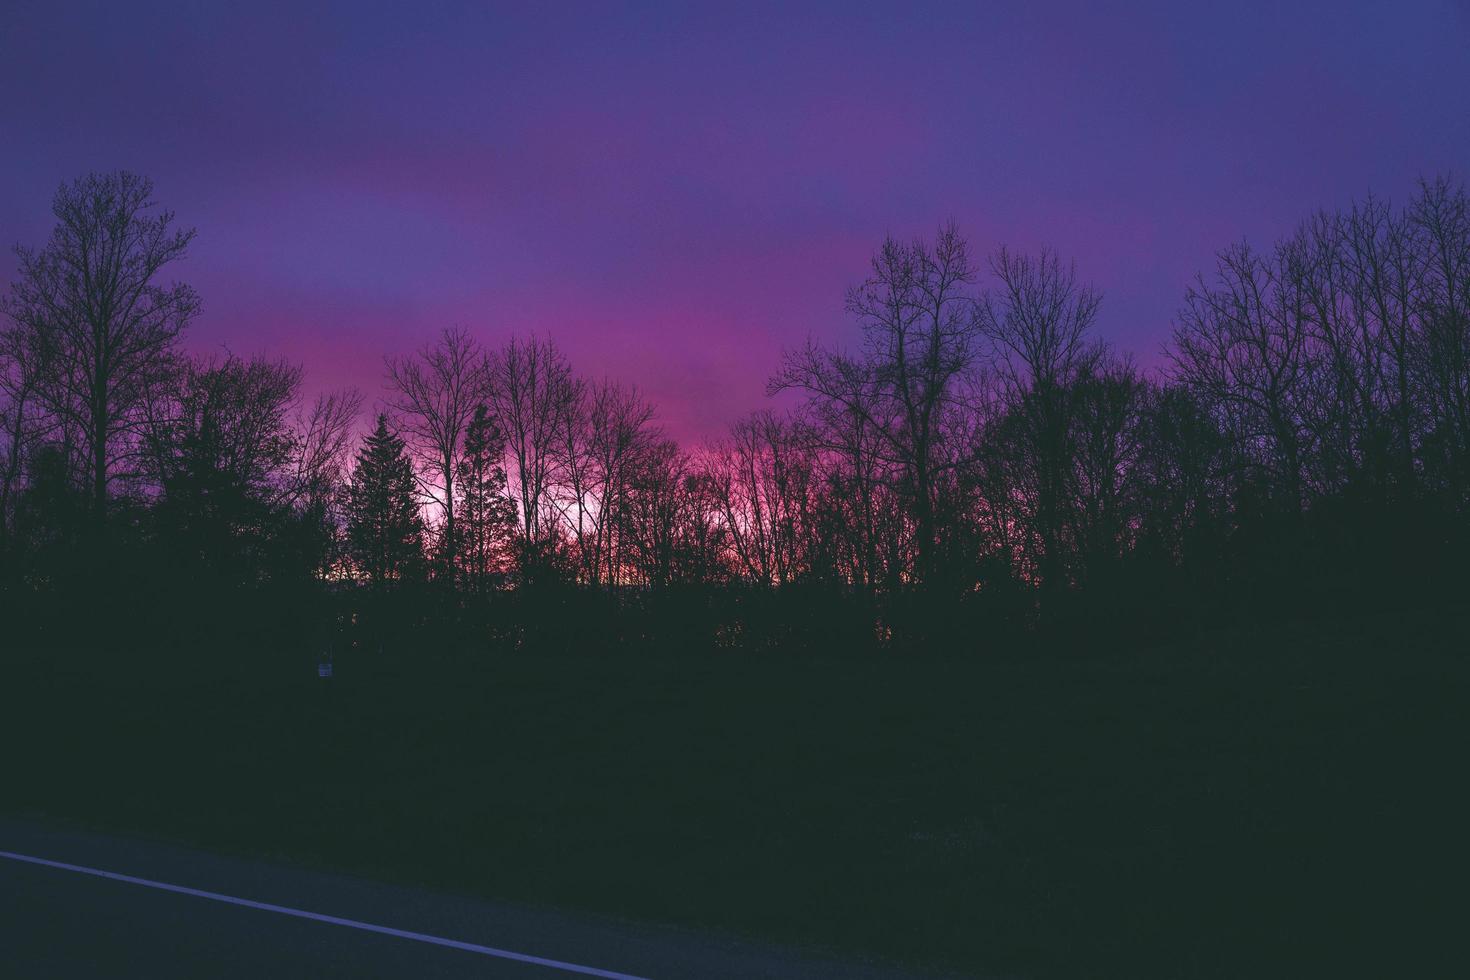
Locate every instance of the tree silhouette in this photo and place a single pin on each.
(921, 330)
(1243, 346)
(533, 396)
(436, 394)
(977, 454)
(22, 424)
(101, 327)
(487, 512)
(761, 481)
(609, 429)
(1040, 324)
(222, 456)
(385, 531)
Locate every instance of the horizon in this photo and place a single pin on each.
(804, 492)
(678, 208)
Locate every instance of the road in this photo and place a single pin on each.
(109, 906)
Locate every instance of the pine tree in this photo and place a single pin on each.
(385, 531)
(487, 513)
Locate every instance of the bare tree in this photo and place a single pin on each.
(1441, 217)
(1359, 274)
(858, 493)
(1242, 346)
(1183, 470)
(1040, 324)
(323, 434)
(921, 332)
(319, 468)
(1104, 494)
(667, 529)
(533, 393)
(434, 394)
(761, 479)
(610, 425)
(22, 425)
(100, 324)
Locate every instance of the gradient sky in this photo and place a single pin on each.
(675, 192)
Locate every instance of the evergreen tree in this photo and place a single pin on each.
(385, 531)
(487, 513)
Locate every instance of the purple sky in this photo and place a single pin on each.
(677, 193)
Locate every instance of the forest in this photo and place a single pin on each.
(976, 462)
(982, 649)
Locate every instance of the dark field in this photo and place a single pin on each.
(1262, 802)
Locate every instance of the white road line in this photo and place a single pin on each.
(503, 954)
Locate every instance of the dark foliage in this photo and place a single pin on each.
(944, 566)
(979, 464)
(385, 531)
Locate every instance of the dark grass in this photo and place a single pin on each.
(1272, 801)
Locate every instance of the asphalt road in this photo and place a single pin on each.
(57, 922)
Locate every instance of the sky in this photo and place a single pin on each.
(677, 192)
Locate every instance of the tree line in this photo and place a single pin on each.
(977, 453)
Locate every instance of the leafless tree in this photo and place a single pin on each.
(610, 426)
(1358, 273)
(668, 530)
(434, 395)
(1104, 492)
(100, 324)
(319, 467)
(762, 482)
(1040, 324)
(1184, 472)
(1002, 477)
(859, 493)
(1441, 218)
(22, 424)
(1242, 346)
(533, 395)
(921, 329)
(323, 444)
